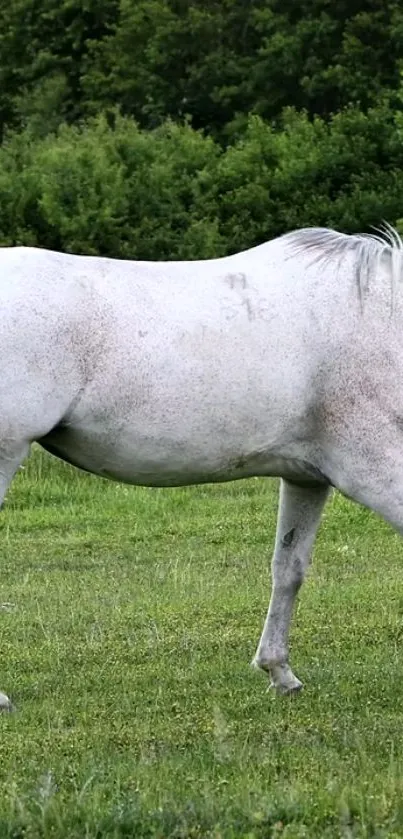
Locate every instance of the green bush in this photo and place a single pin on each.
(110, 188)
(347, 174)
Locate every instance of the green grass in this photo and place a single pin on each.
(128, 618)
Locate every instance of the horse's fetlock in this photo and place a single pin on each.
(268, 660)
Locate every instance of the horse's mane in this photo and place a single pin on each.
(368, 249)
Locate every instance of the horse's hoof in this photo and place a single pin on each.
(5, 704)
(287, 689)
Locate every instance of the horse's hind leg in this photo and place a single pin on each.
(300, 509)
(11, 457)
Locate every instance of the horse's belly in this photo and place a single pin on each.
(143, 461)
(147, 461)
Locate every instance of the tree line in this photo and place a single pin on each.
(161, 129)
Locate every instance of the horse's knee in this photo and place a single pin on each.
(288, 571)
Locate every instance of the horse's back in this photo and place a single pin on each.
(166, 372)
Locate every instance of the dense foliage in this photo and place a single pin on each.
(192, 128)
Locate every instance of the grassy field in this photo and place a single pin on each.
(128, 619)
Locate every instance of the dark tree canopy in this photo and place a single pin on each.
(214, 60)
(193, 128)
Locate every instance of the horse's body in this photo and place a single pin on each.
(284, 360)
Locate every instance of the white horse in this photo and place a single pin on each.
(284, 360)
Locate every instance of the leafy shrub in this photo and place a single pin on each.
(110, 188)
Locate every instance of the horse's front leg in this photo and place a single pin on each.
(11, 457)
(300, 509)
